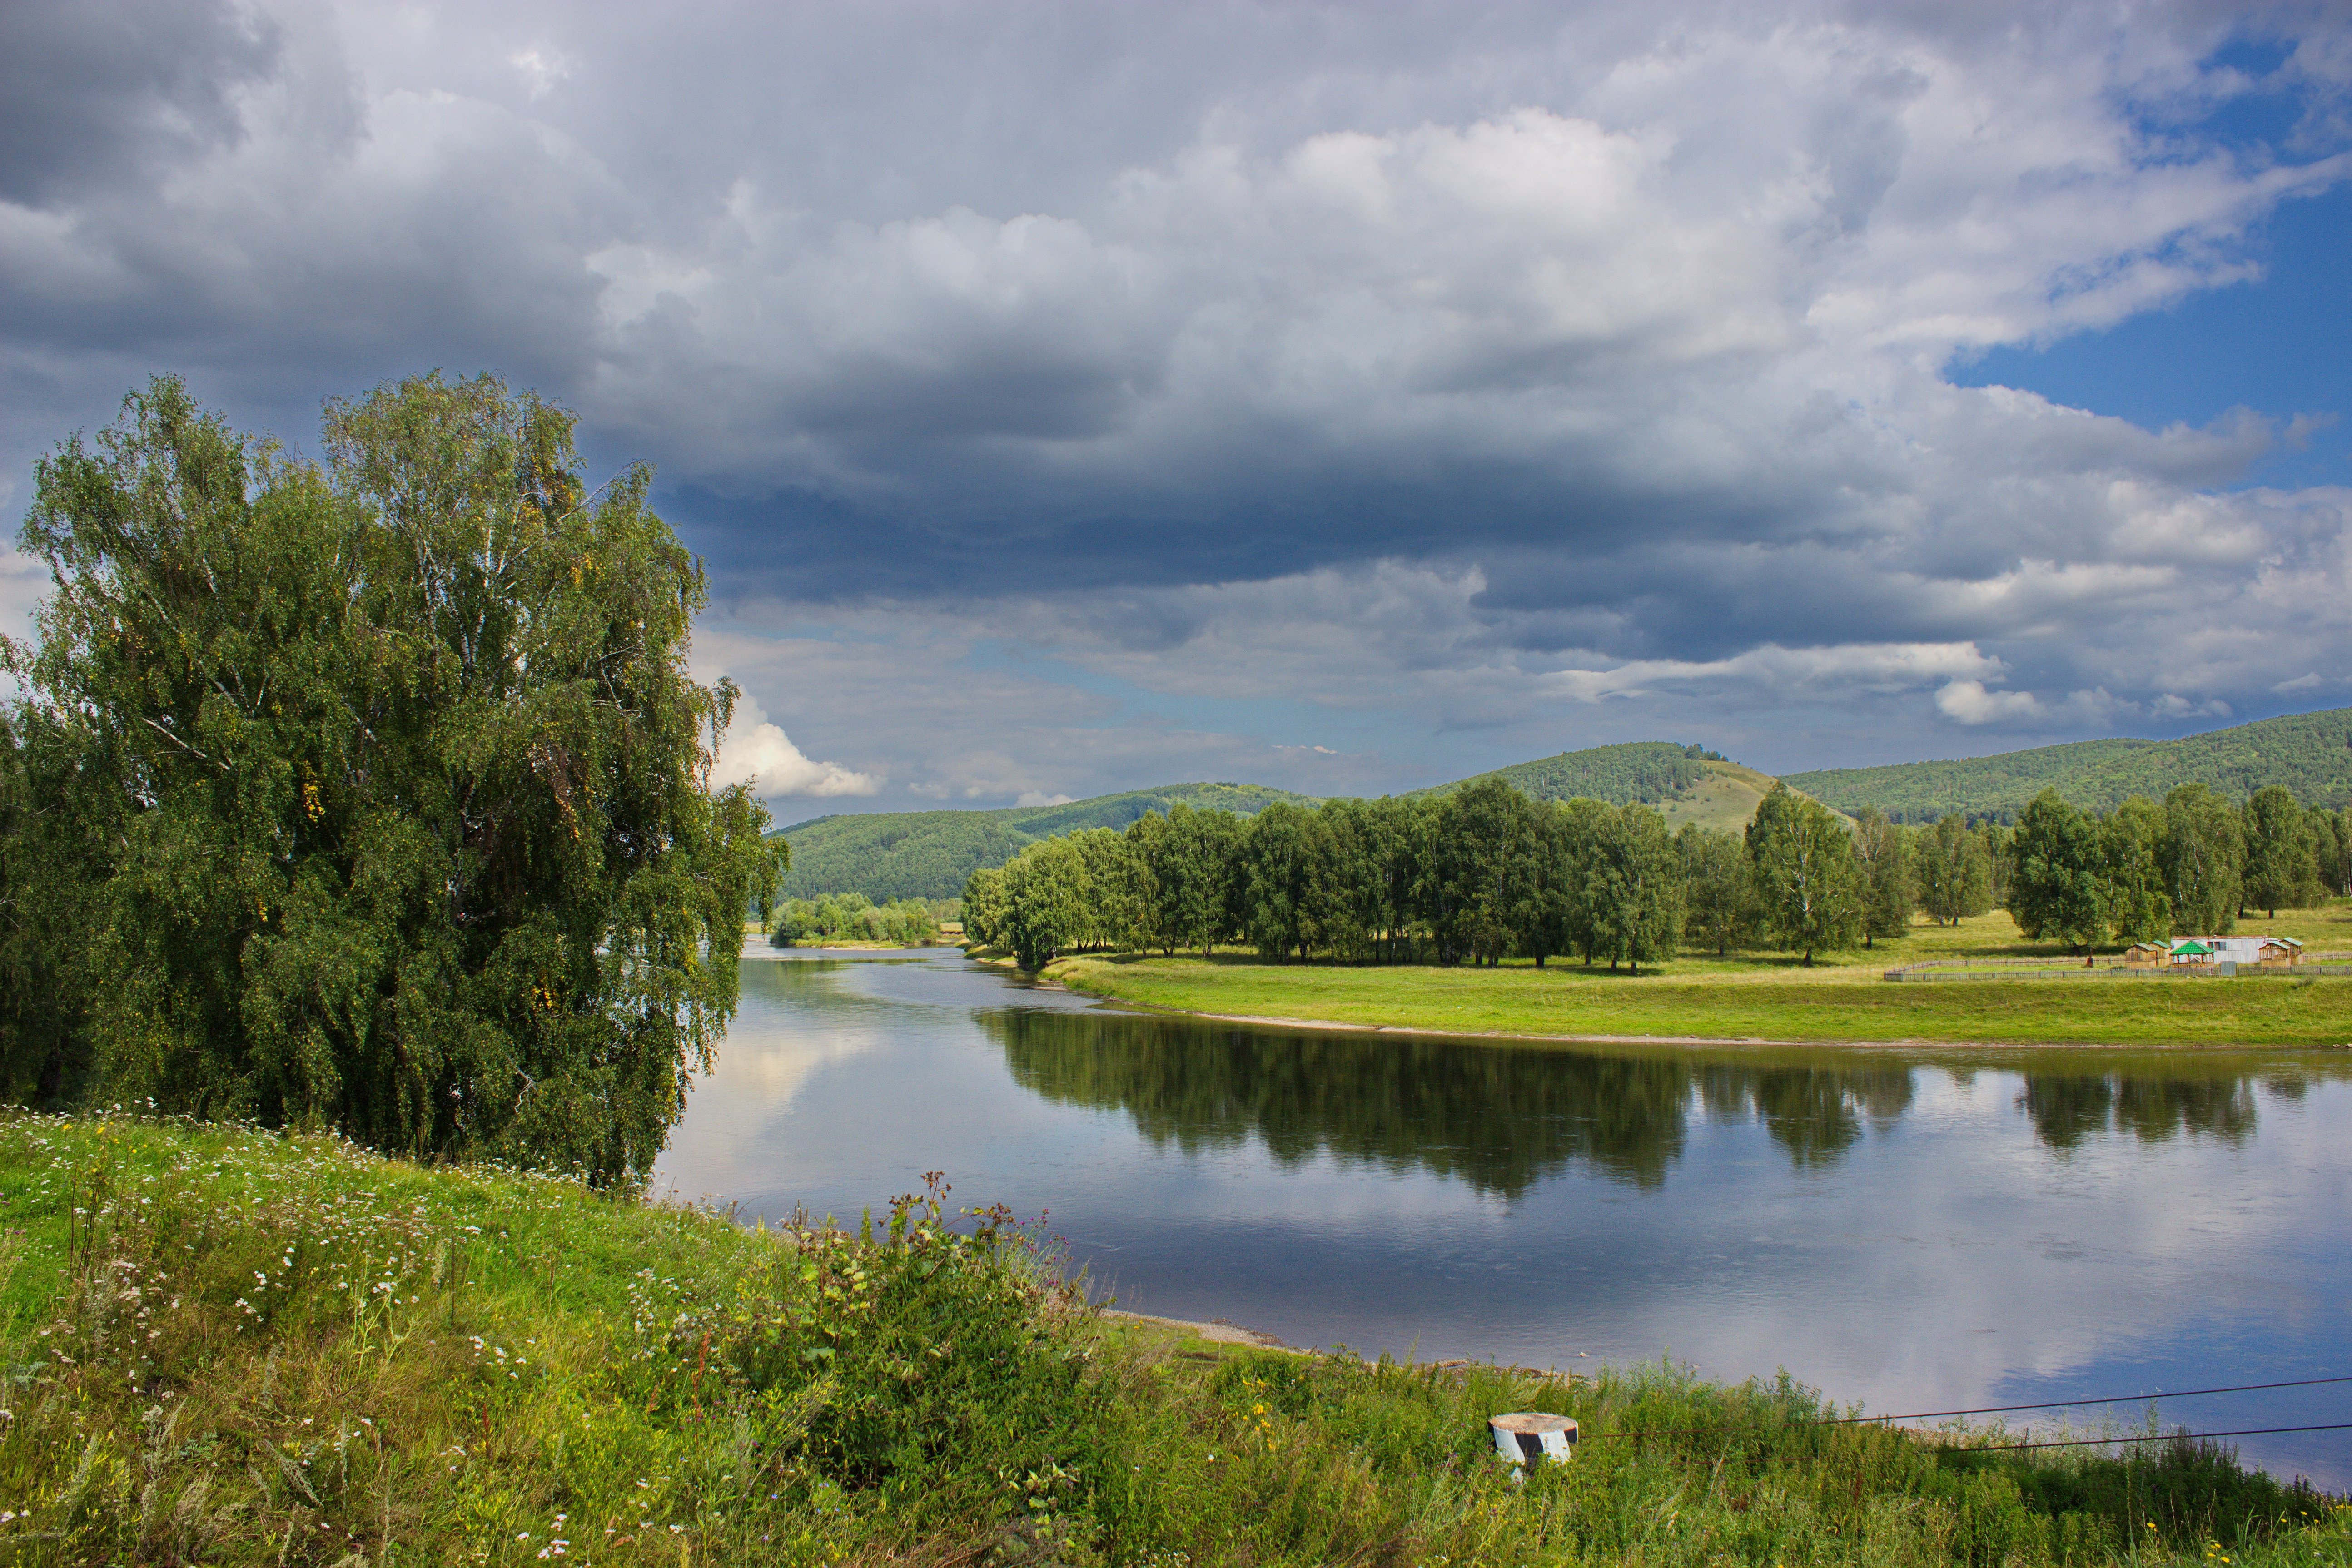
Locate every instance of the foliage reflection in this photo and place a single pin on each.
(1505, 1119)
(2067, 1109)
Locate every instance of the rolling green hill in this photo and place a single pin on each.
(1650, 772)
(928, 854)
(2310, 753)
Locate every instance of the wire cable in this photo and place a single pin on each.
(1995, 1409)
(2161, 1437)
(2070, 1403)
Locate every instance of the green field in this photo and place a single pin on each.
(228, 1346)
(1842, 997)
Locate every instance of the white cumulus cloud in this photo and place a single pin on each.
(1971, 702)
(757, 753)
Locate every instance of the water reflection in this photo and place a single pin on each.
(1814, 1113)
(1914, 1228)
(2067, 1109)
(1504, 1118)
(1499, 1120)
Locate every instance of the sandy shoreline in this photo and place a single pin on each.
(1214, 1333)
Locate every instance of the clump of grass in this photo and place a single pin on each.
(224, 1345)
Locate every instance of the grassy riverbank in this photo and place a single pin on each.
(1840, 997)
(230, 1347)
(2270, 1011)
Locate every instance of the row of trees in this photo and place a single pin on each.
(1473, 878)
(2188, 866)
(370, 793)
(854, 917)
(1488, 873)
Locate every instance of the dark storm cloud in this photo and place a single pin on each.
(1425, 368)
(93, 99)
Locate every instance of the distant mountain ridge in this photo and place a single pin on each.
(2310, 753)
(931, 854)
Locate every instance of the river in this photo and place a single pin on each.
(1913, 1229)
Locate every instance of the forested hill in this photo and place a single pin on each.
(930, 854)
(1644, 772)
(2310, 753)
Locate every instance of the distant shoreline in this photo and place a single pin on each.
(1852, 1016)
(1914, 1043)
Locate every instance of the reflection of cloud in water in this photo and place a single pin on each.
(741, 1110)
(1911, 1229)
(765, 1074)
(1501, 1118)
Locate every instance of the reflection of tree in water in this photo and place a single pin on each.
(2067, 1109)
(1813, 1113)
(1499, 1120)
(1497, 1117)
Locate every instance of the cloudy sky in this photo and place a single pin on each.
(1081, 396)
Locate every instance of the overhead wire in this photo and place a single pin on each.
(2071, 1404)
(2158, 1437)
(2006, 1409)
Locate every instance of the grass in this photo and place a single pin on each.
(1840, 997)
(223, 1345)
(1725, 799)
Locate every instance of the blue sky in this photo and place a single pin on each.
(1347, 398)
(2280, 344)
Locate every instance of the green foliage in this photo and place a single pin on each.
(254, 1351)
(372, 794)
(2281, 851)
(1479, 875)
(2308, 754)
(891, 856)
(249, 1349)
(1720, 894)
(1808, 883)
(853, 917)
(1889, 879)
(1954, 870)
(2057, 886)
(1635, 886)
(2203, 855)
(48, 855)
(2131, 857)
(1281, 912)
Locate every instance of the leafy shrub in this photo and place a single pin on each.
(854, 917)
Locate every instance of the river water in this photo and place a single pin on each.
(1909, 1229)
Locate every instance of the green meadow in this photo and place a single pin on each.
(230, 1346)
(1840, 997)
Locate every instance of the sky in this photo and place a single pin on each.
(1084, 396)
